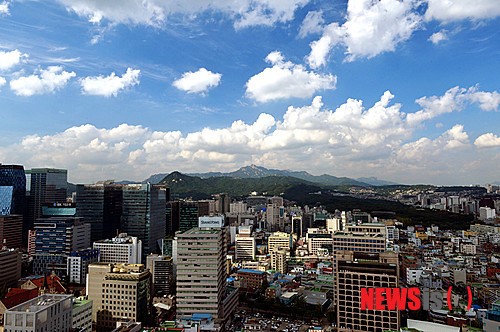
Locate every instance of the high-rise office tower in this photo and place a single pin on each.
(11, 231)
(161, 268)
(48, 312)
(55, 239)
(144, 214)
(223, 202)
(201, 272)
(120, 292)
(47, 185)
(101, 205)
(12, 176)
(181, 216)
(136, 209)
(356, 270)
(245, 244)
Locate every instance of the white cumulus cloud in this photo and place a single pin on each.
(371, 28)
(110, 85)
(46, 81)
(438, 37)
(455, 99)
(155, 12)
(352, 139)
(3, 81)
(9, 59)
(199, 81)
(455, 10)
(488, 140)
(4, 8)
(286, 80)
(312, 24)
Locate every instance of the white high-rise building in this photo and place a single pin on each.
(201, 273)
(121, 249)
(245, 244)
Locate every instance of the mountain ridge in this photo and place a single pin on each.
(253, 171)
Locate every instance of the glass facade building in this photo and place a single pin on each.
(47, 185)
(12, 176)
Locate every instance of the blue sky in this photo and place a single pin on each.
(402, 90)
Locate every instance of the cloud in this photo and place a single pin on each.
(312, 24)
(488, 140)
(244, 13)
(371, 28)
(199, 81)
(454, 100)
(353, 140)
(3, 81)
(438, 37)
(110, 85)
(286, 80)
(48, 80)
(424, 151)
(456, 10)
(4, 8)
(9, 59)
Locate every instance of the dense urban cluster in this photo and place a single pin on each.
(127, 257)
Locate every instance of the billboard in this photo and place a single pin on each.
(211, 221)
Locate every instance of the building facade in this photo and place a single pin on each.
(120, 249)
(201, 273)
(48, 312)
(356, 270)
(119, 292)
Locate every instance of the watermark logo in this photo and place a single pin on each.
(412, 298)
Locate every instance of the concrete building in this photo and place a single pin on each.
(119, 292)
(359, 242)
(48, 312)
(120, 249)
(279, 260)
(245, 244)
(201, 273)
(318, 239)
(252, 279)
(279, 240)
(356, 270)
(10, 267)
(82, 314)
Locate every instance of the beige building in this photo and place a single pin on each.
(279, 260)
(201, 276)
(119, 292)
(279, 240)
(201, 273)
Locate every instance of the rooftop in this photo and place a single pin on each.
(40, 303)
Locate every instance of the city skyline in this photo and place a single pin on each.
(406, 91)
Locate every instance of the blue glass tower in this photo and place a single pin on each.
(12, 189)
